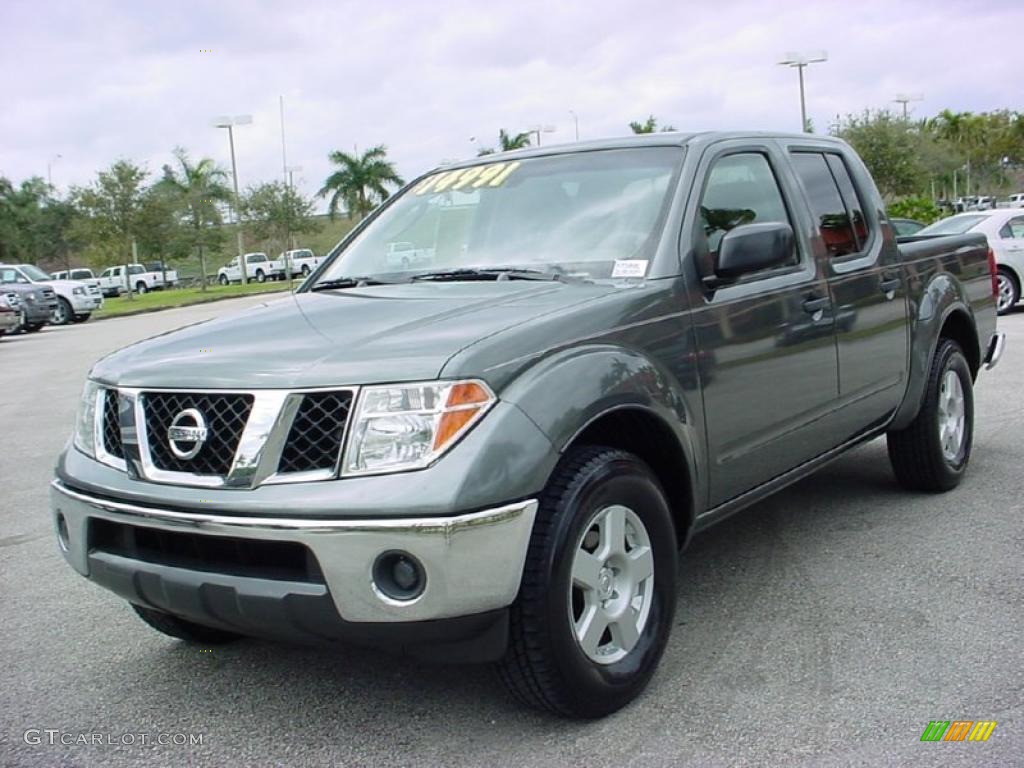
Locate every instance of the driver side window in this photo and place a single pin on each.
(740, 189)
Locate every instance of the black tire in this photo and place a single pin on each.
(34, 327)
(305, 270)
(141, 287)
(81, 318)
(1009, 291)
(545, 666)
(184, 629)
(260, 277)
(63, 314)
(916, 453)
(223, 280)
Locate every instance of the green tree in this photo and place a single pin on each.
(889, 149)
(198, 188)
(162, 233)
(361, 182)
(34, 226)
(109, 211)
(276, 212)
(650, 125)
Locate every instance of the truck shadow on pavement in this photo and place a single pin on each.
(732, 576)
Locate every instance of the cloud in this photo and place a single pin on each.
(98, 81)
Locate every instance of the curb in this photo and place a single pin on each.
(211, 300)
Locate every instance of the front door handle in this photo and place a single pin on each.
(816, 305)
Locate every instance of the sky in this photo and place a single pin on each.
(88, 83)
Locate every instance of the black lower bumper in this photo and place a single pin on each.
(299, 612)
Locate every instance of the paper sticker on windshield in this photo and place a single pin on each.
(492, 175)
(629, 268)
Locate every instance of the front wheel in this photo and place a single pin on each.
(141, 288)
(81, 318)
(932, 453)
(183, 629)
(260, 277)
(598, 592)
(223, 280)
(305, 270)
(62, 313)
(1009, 291)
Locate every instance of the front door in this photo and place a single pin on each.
(770, 334)
(866, 285)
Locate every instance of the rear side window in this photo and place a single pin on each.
(1013, 229)
(834, 221)
(741, 189)
(851, 199)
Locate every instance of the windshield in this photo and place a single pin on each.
(34, 273)
(954, 225)
(575, 214)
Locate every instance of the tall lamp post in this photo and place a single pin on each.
(49, 168)
(230, 123)
(539, 129)
(576, 123)
(799, 61)
(905, 98)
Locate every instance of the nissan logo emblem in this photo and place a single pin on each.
(187, 434)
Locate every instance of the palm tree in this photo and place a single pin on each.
(650, 125)
(507, 142)
(199, 187)
(362, 181)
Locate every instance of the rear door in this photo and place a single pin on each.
(768, 338)
(866, 285)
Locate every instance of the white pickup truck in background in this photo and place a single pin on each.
(117, 280)
(258, 268)
(301, 261)
(405, 255)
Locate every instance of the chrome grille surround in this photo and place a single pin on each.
(251, 458)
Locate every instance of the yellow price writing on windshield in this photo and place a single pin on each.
(493, 175)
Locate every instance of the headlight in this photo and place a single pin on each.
(78, 291)
(85, 422)
(409, 426)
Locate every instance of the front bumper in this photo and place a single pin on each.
(8, 321)
(82, 305)
(473, 564)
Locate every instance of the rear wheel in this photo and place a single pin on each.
(932, 453)
(62, 313)
(260, 277)
(598, 593)
(182, 628)
(1009, 291)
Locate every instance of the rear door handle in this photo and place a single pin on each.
(816, 305)
(889, 283)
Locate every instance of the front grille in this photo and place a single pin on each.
(279, 560)
(314, 440)
(112, 424)
(225, 417)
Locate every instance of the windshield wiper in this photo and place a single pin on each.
(488, 273)
(347, 282)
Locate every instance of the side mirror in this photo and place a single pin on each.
(751, 248)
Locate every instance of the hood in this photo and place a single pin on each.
(356, 336)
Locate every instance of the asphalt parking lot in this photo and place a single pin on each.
(826, 626)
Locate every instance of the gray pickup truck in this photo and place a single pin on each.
(500, 454)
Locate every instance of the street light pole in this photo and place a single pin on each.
(800, 61)
(904, 98)
(576, 123)
(49, 168)
(230, 123)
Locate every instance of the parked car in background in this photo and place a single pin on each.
(500, 457)
(1004, 228)
(35, 303)
(1016, 201)
(10, 312)
(118, 279)
(906, 227)
(258, 268)
(81, 274)
(402, 255)
(75, 301)
(301, 261)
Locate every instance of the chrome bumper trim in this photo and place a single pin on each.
(473, 561)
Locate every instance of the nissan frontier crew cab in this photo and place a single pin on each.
(499, 455)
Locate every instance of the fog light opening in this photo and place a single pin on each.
(62, 531)
(399, 576)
